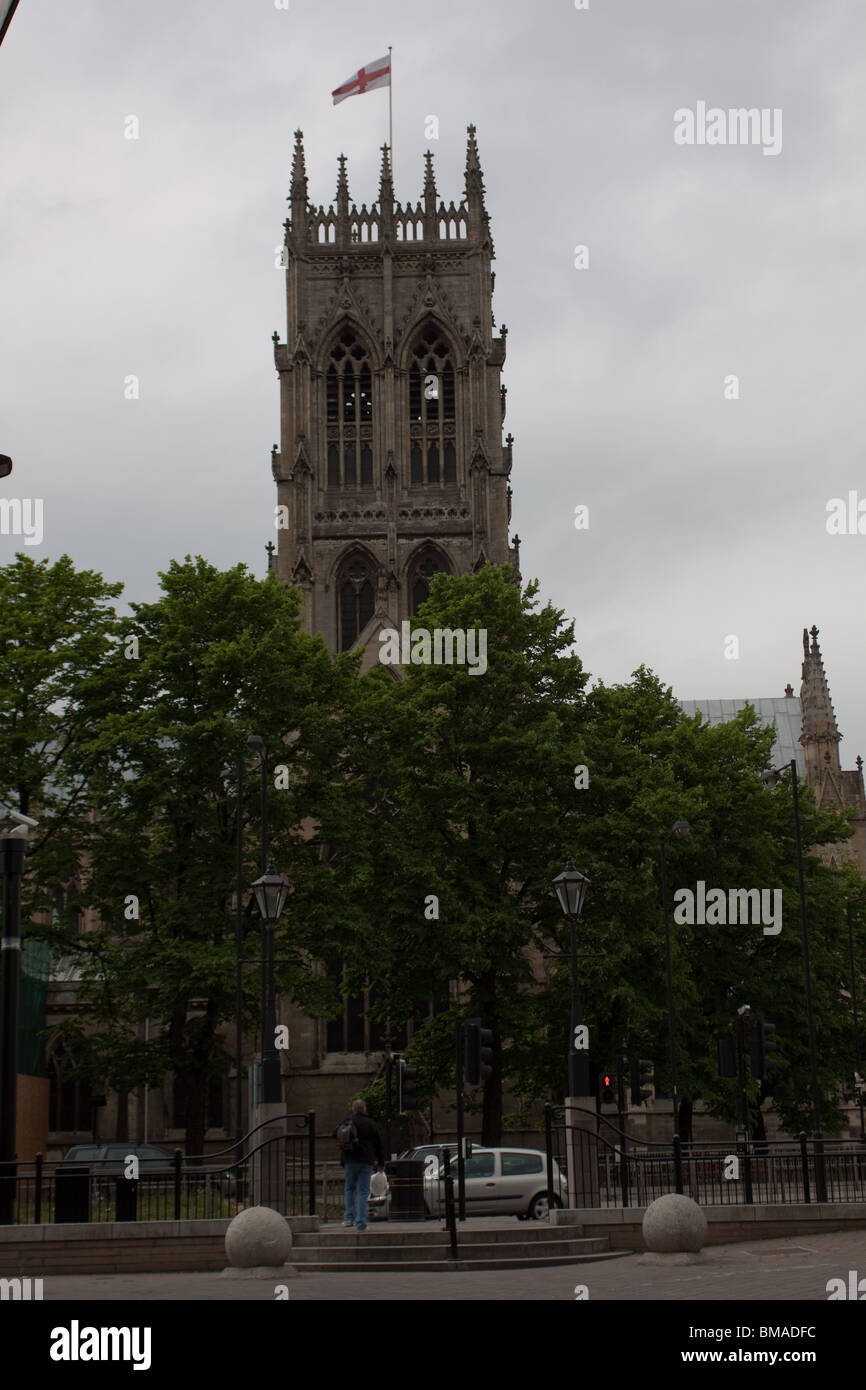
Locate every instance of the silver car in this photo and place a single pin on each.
(499, 1182)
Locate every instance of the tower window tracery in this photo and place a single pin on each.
(349, 399)
(432, 450)
(356, 598)
(428, 564)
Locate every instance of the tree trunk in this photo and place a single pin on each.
(685, 1121)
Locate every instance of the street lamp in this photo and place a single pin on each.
(679, 828)
(771, 778)
(272, 891)
(571, 886)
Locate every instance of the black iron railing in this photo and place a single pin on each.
(608, 1168)
(273, 1169)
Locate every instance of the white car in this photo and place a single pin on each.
(499, 1182)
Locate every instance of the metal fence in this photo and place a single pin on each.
(276, 1170)
(608, 1168)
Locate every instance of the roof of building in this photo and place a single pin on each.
(785, 713)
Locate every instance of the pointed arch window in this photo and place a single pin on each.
(421, 575)
(356, 598)
(433, 454)
(349, 409)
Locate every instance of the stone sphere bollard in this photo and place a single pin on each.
(674, 1224)
(258, 1236)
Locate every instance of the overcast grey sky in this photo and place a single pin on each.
(156, 257)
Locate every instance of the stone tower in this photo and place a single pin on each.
(834, 788)
(391, 464)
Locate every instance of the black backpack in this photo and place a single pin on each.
(346, 1135)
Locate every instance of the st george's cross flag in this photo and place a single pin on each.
(377, 74)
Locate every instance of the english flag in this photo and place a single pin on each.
(377, 74)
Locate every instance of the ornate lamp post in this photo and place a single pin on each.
(272, 891)
(571, 886)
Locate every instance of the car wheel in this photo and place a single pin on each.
(539, 1207)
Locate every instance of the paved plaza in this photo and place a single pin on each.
(795, 1268)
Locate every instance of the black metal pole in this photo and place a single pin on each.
(389, 1067)
(14, 850)
(450, 1222)
(857, 1058)
(461, 1132)
(672, 1045)
(578, 1070)
(263, 869)
(271, 1088)
(741, 1072)
(239, 969)
(820, 1176)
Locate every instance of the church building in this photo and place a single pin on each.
(391, 465)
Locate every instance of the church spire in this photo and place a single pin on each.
(299, 169)
(298, 195)
(474, 187)
(429, 196)
(342, 199)
(386, 197)
(386, 182)
(820, 737)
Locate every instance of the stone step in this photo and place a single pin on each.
(364, 1265)
(435, 1236)
(334, 1253)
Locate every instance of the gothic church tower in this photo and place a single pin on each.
(391, 465)
(835, 788)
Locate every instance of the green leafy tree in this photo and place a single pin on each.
(219, 656)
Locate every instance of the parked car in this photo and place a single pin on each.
(108, 1161)
(499, 1182)
(424, 1150)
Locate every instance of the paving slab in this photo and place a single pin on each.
(786, 1269)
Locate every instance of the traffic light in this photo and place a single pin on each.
(640, 1075)
(726, 1059)
(763, 1043)
(606, 1086)
(407, 1087)
(478, 1061)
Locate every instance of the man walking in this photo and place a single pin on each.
(361, 1149)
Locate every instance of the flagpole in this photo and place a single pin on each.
(390, 111)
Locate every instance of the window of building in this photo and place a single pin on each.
(349, 401)
(356, 597)
(421, 577)
(433, 454)
(70, 1099)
